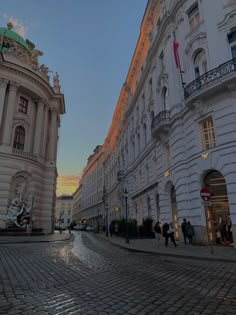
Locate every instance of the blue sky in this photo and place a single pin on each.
(90, 43)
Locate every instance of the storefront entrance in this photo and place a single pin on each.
(174, 212)
(219, 225)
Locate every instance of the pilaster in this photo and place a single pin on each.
(10, 113)
(39, 128)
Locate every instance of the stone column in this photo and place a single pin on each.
(45, 131)
(11, 104)
(3, 86)
(38, 128)
(53, 135)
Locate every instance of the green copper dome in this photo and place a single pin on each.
(13, 36)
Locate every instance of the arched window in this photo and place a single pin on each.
(200, 63)
(165, 98)
(19, 138)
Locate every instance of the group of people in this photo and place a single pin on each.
(168, 232)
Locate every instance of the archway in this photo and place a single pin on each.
(174, 212)
(217, 210)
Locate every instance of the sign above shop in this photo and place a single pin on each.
(205, 194)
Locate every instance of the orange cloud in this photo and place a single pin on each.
(67, 184)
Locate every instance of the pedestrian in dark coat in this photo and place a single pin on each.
(111, 229)
(189, 232)
(183, 228)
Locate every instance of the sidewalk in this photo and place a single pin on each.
(56, 237)
(216, 253)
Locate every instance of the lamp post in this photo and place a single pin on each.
(126, 216)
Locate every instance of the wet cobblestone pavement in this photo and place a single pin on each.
(92, 276)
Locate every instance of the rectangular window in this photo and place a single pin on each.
(208, 134)
(233, 50)
(194, 16)
(23, 105)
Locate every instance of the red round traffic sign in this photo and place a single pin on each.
(205, 194)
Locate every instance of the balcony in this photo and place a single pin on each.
(23, 154)
(210, 80)
(161, 123)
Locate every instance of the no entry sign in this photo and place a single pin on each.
(205, 194)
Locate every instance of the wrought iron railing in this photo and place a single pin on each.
(162, 116)
(210, 77)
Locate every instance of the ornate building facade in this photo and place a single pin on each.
(171, 143)
(29, 120)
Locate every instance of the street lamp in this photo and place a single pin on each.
(126, 216)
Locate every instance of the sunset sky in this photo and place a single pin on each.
(90, 44)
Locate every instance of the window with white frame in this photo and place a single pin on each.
(200, 63)
(208, 133)
(232, 43)
(194, 16)
(165, 98)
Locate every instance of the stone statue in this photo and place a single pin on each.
(19, 211)
(56, 87)
(35, 54)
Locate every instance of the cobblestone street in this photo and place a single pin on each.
(92, 276)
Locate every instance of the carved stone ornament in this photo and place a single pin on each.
(19, 211)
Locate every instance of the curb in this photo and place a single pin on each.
(70, 238)
(180, 256)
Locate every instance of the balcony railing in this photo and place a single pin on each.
(210, 78)
(24, 154)
(161, 122)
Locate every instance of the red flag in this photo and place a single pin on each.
(175, 48)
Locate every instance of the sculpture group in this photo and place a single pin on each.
(19, 211)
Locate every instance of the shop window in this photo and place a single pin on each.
(19, 138)
(23, 105)
(194, 16)
(208, 134)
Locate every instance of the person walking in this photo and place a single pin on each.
(111, 229)
(183, 228)
(157, 229)
(169, 233)
(116, 229)
(189, 232)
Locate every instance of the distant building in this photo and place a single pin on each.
(171, 143)
(64, 210)
(77, 204)
(30, 109)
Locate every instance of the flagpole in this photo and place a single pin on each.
(180, 69)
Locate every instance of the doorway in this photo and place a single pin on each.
(217, 210)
